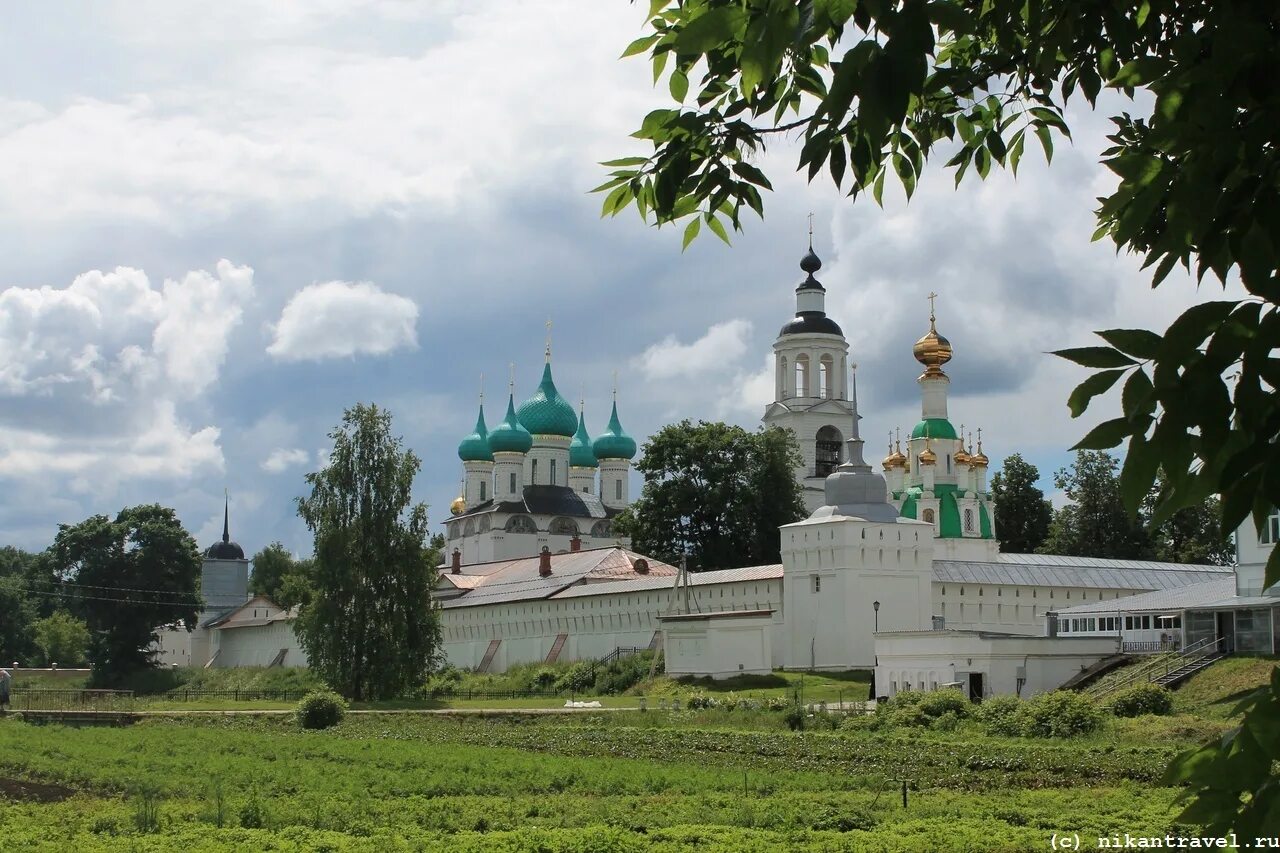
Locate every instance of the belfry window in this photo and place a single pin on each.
(825, 379)
(826, 451)
(802, 376)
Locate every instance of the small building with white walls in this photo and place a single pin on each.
(981, 663)
(722, 644)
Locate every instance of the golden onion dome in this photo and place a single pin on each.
(458, 506)
(979, 459)
(928, 457)
(961, 456)
(932, 350)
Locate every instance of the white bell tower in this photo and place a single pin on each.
(812, 395)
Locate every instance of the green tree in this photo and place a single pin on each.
(371, 628)
(715, 492)
(278, 576)
(1022, 511)
(1193, 534)
(127, 576)
(1095, 523)
(62, 639)
(19, 609)
(1199, 185)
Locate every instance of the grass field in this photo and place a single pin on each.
(581, 784)
(710, 780)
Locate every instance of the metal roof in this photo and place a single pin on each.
(1086, 572)
(1180, 598)
(640, 584)
(518, 580)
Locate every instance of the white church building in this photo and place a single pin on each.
(900, 570)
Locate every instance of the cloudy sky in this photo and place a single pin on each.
(220, 227)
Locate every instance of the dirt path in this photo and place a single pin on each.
(19, 789)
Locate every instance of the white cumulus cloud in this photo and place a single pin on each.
(282, 458)
(715, 352)
(341, 318)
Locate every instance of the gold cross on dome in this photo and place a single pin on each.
(932, 296)
(548, 339)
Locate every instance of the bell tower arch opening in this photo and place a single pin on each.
(826, 451)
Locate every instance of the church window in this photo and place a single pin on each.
(817, 583)
(534, 471)
(948, 463)
(928, 516)
(513, 483)
(968, 521)
(563, 527)
(483, 490)
(825, 377)
(600, 528)
(521, 524)
(470, 528)
(826, 451)
(802, 376)
(618, 490)
(553, 472)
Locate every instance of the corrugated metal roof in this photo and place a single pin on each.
(640, 584)
(1180, 598)
(518, 580)
(1086, 572)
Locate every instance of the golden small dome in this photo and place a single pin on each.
(928, 457)
(932, 350)
(458, 506)
(979, 459)
(962, 456)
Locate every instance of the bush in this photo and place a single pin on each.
(1142, 699)
(321, 710)
(918, 709)
(948, 701)
(794, 717)
(1000, 715)
(1061, 713)
(442, 683)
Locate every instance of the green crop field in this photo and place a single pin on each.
(726, 778)
(609, 782)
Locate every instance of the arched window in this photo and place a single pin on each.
(802, 376)
(617, 490)
(826, 451)
(928, 516)
(968, 521)
(533, 473)
(601, 529)
(484, 490)
(521, 524)
(552, 481)
(470, 528)
(782, 378)
(485, 524)
(826, 378)
(563, 527)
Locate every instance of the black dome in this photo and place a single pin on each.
(810, 322)
(810, 263)
(225, 550)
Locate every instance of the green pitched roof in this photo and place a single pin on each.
(614, 443)
(510, 436)
(580, 453)
(475, 447)
(934, 428)
(546, 412)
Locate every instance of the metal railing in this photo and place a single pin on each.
(1135, 647)
(1161, 666)
(70, 699)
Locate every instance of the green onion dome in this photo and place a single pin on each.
(580, 453)
(614, 443)
(934, 428)
(510, 436)
(475, 447)
(546, 412)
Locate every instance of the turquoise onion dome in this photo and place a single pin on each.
(614, 443)
(475, 447)
(580, 453)
(546, 412)
(510, 436)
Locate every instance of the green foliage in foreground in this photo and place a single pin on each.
(1142, 699)
(552, 785)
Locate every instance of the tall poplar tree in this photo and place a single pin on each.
(1022, 512)
(370, 629)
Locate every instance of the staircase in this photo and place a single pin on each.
(1181, 674)
(488, 656)
(556, 648)
(1166, 670)
(278, 660)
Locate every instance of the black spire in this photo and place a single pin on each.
(226, 517)
(226, 549)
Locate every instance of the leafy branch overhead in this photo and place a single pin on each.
(875, 88)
